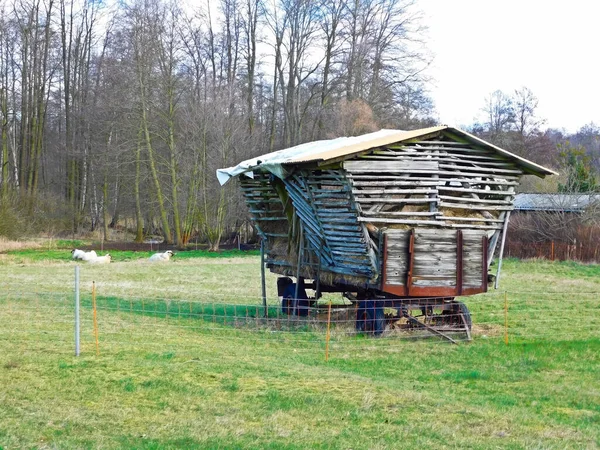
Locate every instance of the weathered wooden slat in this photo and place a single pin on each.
(435, 234)
(350, 255)
(389, 166)
(336, 203)
(470, 219)
(434, 283)
(396, 249)
(466, 174)
(431, 247)
(450, 143)
(460, 150)
(341, 220)
(475, 200)
(478, 207)
(443, 158)
(500, 181)
(395, 200)
(431, 152)
(399, 221)
(343, 234)
(474, 191)
(393, 191)
(383, 184)
(471, 235)
(400, 213)
(396, 266)
(331, 196)
(440, 260)
(328, 216)
(333, 240)
(481, 169)
(336, 227)
(477, 227)
(396, 234)
(437, 274)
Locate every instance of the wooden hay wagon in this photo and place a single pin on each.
(400, 222)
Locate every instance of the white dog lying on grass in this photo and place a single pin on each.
(162, 257)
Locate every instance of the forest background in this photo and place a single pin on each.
(115, 116)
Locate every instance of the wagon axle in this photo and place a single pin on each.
(376, 312)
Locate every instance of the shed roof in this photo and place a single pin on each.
(342, 147)
(555, 202)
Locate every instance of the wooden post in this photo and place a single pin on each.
(299, 265)
(262, 278)
(95, 315)
(504, 228)
(459, 262)
(328, 335)
(552, 251)
(505, 318)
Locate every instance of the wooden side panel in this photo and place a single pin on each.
(432, 267)
(396, 266)
(268, 216)
(473, 258)
(435, 258)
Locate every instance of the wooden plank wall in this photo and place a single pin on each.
(264, 205)
(397, 257)
(434, 258)
(268, 216)
(322, 200)
(433, 183)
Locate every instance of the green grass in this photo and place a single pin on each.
(165, 379)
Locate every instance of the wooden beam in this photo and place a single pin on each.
(474, 200)
(477, 208)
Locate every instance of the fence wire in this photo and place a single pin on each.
(45, 321)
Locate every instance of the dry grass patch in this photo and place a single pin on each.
(10, 245)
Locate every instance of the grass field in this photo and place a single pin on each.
(174, 381)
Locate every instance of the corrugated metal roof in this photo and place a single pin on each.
(348, 146)
(555, 202)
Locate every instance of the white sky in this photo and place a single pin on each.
(484, 45)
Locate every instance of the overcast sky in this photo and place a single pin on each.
(549, 46)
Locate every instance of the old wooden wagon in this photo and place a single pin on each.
(401, 222)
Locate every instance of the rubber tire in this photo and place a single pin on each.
(462, 309)
(288, 303)
(370, 318)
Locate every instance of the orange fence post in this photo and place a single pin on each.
(505, 318)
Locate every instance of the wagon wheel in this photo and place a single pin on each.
(288, 304)
(457, 316)
(370, 318)
(291, 305)
(462, 315)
